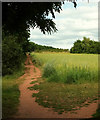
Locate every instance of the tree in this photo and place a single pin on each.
(85, 46)
(77, 47)
(18, 17)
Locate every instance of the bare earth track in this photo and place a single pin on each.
(28, 108)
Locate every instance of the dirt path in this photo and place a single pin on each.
(28, 108)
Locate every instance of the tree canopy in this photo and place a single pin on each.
(18, 17)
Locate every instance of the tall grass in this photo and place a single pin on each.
(68, 68)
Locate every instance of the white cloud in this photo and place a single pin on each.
(72, 24)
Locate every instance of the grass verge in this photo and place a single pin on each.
(11, 93)
(65, 97)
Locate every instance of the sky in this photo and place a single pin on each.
(72, 24)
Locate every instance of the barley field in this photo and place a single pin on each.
(67, 68)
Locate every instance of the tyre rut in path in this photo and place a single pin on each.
(28, 108)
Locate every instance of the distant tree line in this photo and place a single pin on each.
(86, 46)
(42, 48)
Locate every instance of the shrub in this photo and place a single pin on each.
(12, 54)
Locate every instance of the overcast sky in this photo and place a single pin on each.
(72, 24)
